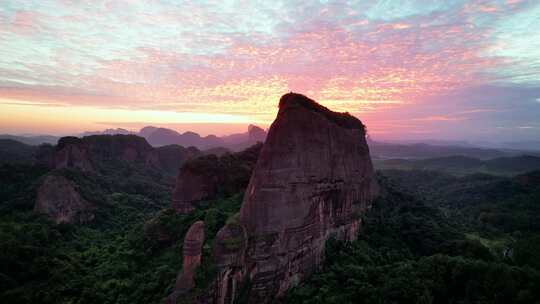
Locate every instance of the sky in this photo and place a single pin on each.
(450, 70)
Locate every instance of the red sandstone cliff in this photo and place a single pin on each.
(92, 152)
(192, 251)
(58, 199)
(205, 177)
(313, 179)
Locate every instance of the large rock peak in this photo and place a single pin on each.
(312, 156)
(312, 180)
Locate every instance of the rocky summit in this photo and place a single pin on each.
(312, 181)
(91, 152)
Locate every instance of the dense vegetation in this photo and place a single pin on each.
(448, 249)
(230, 171)
(14, 152)
(463, 165)
(431, 238)
(131, 253)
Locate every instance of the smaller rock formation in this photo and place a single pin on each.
(529, 179)
(204, 177)
(70, 153)
(92, 153)
(171, 158)
(58, 199)
(256, 134)
(196, 181)
(192, 252)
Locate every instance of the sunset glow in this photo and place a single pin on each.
(420, 69)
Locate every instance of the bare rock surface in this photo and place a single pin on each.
(313, 179)
(192, 252)
(58, 199)
(204, 177)
(89, 153)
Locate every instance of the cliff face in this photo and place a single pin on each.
(83, 153)
(58, 199)
(192, 256)
(192, 252)
(204, 177)
(89, 152)
(194, 185)
(312, 180)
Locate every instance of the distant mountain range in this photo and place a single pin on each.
(33, 140)
(158, 137)
(117, 131)
(462, 165)
(530, 145)
(381, 150)
(14, 152)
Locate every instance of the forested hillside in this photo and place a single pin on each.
(430, 238)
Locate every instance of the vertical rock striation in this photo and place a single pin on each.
(192, 255)
(192, 251)
(312, 180)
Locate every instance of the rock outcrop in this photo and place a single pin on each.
(90, 153)
(58, 199)
(241, 141)
(192, 251)
(71, 153)
(204, 177)
(256, 134)
(195, 182)
(313, 179)
(171, 158)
